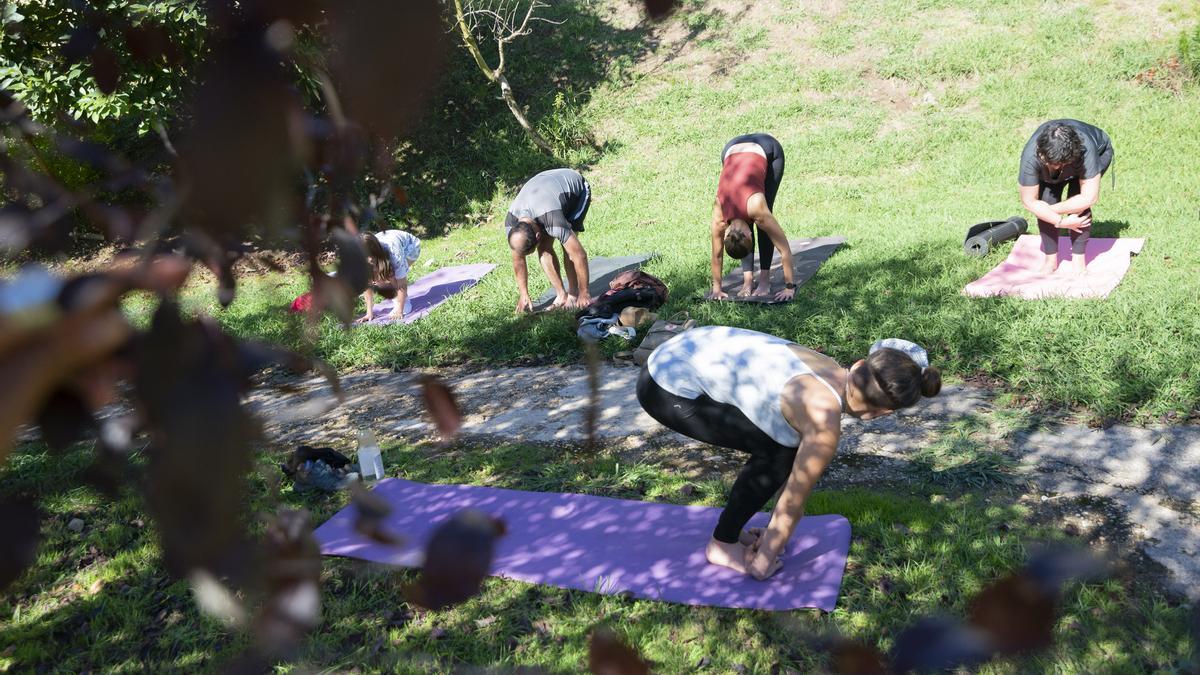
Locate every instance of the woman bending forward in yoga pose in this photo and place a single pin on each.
(780, 403)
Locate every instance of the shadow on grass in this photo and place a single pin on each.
(1109, 228)
(470, 146)
(912, 554)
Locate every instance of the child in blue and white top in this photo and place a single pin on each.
(390, 254)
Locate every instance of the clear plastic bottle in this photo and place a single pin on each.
(370, 460)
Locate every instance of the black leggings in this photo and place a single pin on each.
(766, 248)
(724, 425)
(1052, 194)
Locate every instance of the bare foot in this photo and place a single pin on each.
(1078, 265)
(732, 555)
(1049, 264)
(744, 292)
(763, 289)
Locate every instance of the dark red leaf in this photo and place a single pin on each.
(291, 583)
(240, 159)
(591, 414)
(378, 45)
(608, 655)
(147, 42)
(80, 45)
(20, 531)
(353, 267)
(105, 68)
(372, 513)
(335, 295)
(852, 658)
(64, 420)
(1015, 614)
(442, 406)
(457, 559)
(189, 385)
(658, 9)
(937, 643)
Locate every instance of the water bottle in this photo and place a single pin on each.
(370, 460)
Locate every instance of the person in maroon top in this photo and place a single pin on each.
(751, 170)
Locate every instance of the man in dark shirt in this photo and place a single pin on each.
(551, 205)
(1070, 154)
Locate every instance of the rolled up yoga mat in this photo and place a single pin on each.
(982, 237)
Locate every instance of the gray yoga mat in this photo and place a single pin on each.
(982, 237)
(601, 270)
(807, 257)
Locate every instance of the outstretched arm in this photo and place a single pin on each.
(401, 298)
(821, 429)
(521, 272)
(718, 251)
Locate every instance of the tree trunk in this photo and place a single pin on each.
(497, 76)
(507, 94)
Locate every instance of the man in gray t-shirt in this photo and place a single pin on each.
(1071, 155)
(551, 205)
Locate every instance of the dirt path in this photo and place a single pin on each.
(1151, 474)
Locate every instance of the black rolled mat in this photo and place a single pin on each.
(601, 270)
(982, 237)
(807, 257)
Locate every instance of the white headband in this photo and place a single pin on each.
(912, 349)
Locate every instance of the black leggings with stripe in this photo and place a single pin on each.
(774, 151)
(722, 424)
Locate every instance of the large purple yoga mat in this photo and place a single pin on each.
(432, 290)
(610, 546)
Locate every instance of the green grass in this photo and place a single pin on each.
(901, 173)
(915, 551)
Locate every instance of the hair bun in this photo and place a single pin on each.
(931, 382)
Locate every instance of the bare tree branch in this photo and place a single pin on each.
(499, 18)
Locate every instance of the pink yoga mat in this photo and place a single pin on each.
(432, 290)
(1107, 262)
(603, 545)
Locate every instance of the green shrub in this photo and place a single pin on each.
(1189, 52)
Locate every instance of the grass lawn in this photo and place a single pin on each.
(902, 125)
(99, 600)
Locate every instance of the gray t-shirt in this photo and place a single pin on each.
(556, 199)
(1097, 155)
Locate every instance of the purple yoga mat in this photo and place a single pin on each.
(432, 290)
(610, 546)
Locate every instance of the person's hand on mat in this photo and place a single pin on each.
(749, 538)
(524, 306)
(717, 294)
(785, 294)
(760, 566)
